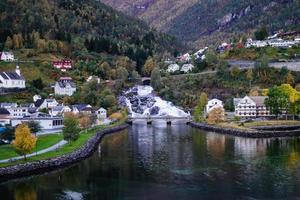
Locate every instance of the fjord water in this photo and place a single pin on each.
(172, 162)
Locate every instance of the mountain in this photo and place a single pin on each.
(209, 22)
(79, 24)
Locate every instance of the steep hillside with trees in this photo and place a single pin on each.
(209, 22)
(72, 27)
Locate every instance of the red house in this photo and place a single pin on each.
(63, 65)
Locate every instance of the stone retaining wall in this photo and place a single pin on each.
(38, 167)
(247, 133)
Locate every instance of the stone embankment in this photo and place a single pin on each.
(261, 132)
(38, 167)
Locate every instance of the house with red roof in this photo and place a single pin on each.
(63, 65)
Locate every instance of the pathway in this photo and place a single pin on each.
(52, 148)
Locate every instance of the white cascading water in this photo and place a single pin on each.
(141, 101)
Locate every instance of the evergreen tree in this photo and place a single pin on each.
(199, 109)
(156, 82)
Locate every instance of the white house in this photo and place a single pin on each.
(60, 110)
(48, 124)
(91, 78)
(4, 116)
(46, 103)
(214, 103)
(200, 53)
(11, 80)
(251, 107)
(82, 108)
(65, 86)
(18, 112)
(101, 114)
(7, 56)
(173, 68)
(187, 68)
(256, 43)
(36, 97)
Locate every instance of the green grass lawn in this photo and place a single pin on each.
(272, 123)
(43, 142)
(68, 148)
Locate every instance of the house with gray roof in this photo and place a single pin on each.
(65, 87)
(251, 107)
(10, 80)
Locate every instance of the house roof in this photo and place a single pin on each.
(4, 111)
(101, 109)
(58, 108)
(2, 105)
(11, 75)
(4, 76)
(38, 103)
(259, 100)
(63, 84)
(236, 101)
(14, 76)
(82, 107)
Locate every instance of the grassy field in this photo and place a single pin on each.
(248, 125)
(272, 123)
(68, 148)
(43, 142)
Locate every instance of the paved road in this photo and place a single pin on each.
(245, 64)
(52, 148)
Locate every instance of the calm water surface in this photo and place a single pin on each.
(177, 162)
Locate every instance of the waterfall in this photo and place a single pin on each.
(141, 101)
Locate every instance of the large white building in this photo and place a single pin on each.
(7, 56)
(212, 104)
(48, 124)
(276, 42)
(18, 112)
(65, 86)
(251, 107)
(10, 80)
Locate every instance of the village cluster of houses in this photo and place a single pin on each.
(247, 107)
(52, 121)
(65, 86)
(185, 61)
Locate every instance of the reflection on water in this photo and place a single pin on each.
(172, 162)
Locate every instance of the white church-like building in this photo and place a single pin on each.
(10, 80)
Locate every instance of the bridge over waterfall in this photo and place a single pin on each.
(168, 119)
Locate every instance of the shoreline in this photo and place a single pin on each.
(264, 132)
(52, 164)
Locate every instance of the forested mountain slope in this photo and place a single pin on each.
(71, 25)
(195, 20)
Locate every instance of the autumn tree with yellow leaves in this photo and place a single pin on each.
(216, 115)
(25, 141)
